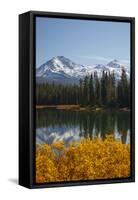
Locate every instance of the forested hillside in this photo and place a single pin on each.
(105, 91)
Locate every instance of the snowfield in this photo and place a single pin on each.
(62, 70)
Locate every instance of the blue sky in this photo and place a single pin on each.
(82, 41)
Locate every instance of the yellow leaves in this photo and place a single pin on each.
(58, 145)
(46, 170)
(84, 160)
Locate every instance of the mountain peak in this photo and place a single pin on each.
(58, 58)
(61, 57)
(114, 64)
(115, 60)
(63, 70)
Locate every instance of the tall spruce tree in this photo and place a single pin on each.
(91, 91)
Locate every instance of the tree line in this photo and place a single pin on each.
(91, 91)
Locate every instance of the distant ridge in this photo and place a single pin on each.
(62, 70)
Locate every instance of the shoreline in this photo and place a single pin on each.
(80, 108)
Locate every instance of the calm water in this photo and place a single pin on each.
(56, 125)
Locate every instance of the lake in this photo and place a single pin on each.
(54, 125)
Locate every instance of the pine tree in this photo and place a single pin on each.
(91, 91)
(86, 91)
(104, 88)
(97, 89)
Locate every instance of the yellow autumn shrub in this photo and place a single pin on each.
(84, 160)
(46, 166)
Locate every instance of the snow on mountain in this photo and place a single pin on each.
(59, 64)
(54, 134)
(114, 64)
(117, 66)
(62, 70)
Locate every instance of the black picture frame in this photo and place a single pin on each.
(27, 97)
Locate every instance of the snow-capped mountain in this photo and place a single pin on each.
(62, 70)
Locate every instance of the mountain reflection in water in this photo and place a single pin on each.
(54, 125)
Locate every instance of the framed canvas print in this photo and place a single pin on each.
(76, 99)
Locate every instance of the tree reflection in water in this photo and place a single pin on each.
(56, 125)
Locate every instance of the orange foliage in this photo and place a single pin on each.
(84, 160)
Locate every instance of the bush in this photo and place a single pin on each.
(84, 160)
